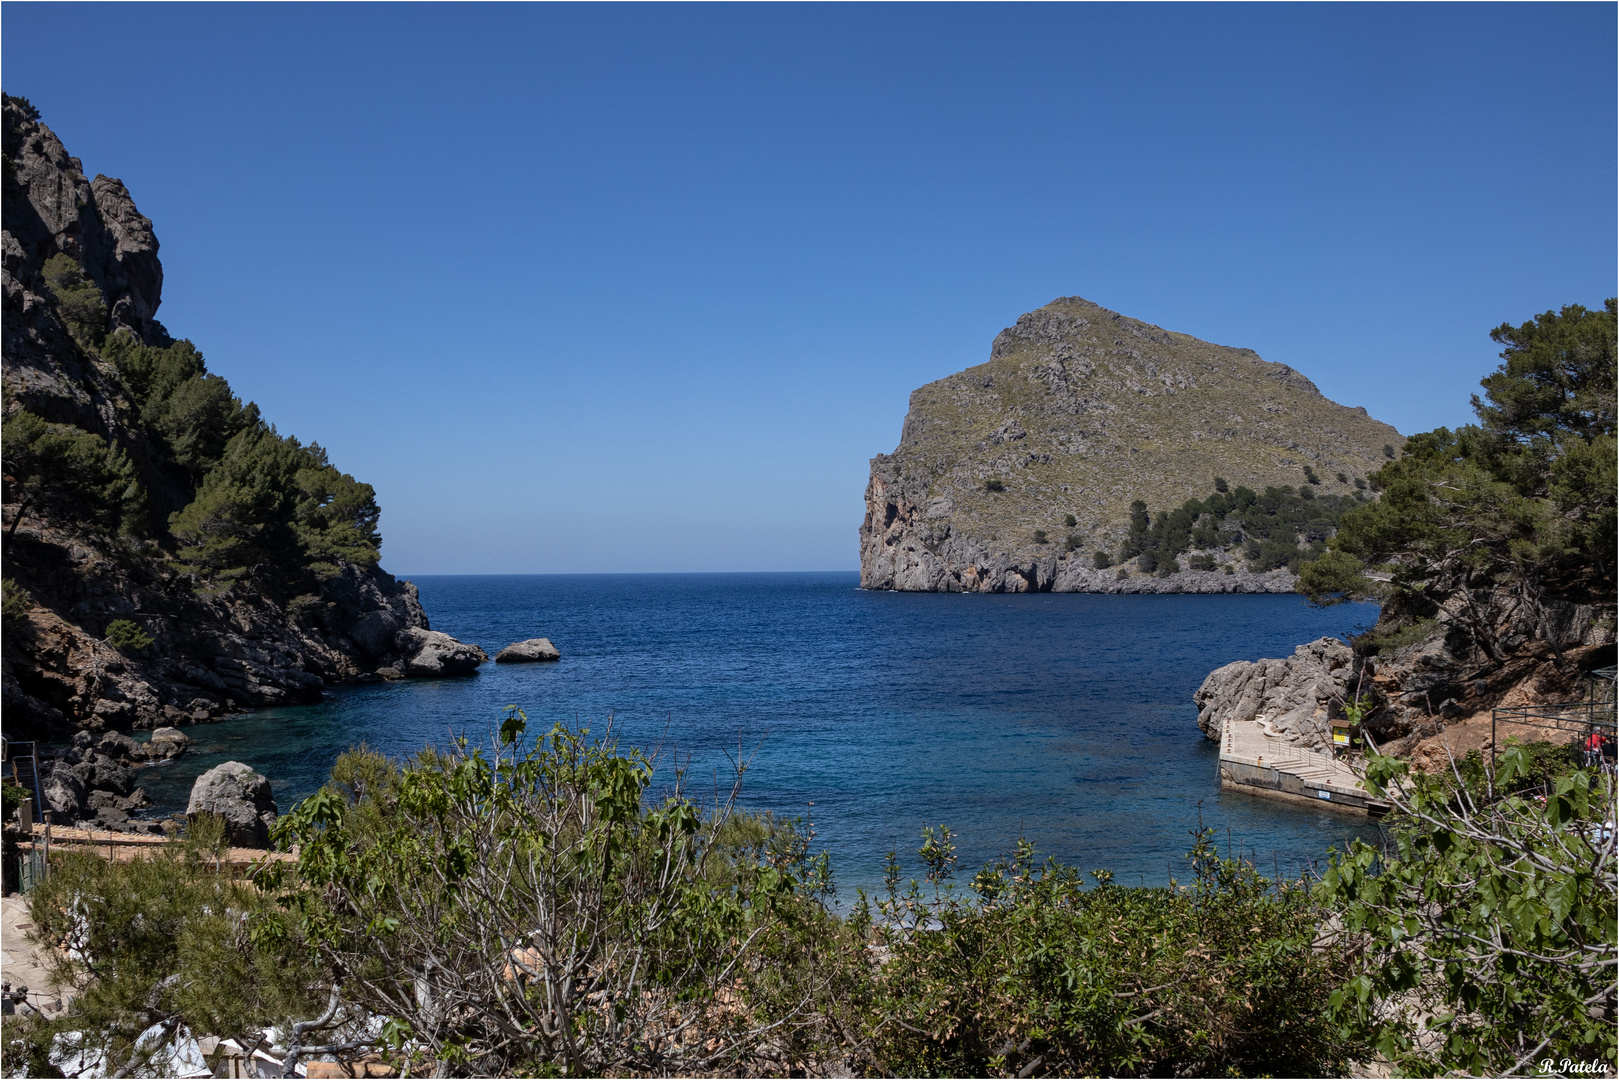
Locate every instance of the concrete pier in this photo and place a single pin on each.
(1255, 761)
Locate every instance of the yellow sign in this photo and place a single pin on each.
(1340, 738)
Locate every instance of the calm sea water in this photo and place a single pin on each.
(1064, 718)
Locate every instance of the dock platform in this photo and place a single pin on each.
(1256, 761)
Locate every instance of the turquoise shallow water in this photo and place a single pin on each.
(1067, 718)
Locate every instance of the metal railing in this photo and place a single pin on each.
(21, 761)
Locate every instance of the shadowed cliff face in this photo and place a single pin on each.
(211, 651)
(1081, 411)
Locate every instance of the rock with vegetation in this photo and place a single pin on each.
(1033, 472)
(533, 650)
(240, 798)
(169, 556)
(1491, 549)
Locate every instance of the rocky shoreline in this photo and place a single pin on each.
(108, 628)
(1412, 694)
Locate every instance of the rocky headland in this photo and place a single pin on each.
(169, 558)
(1015, 475)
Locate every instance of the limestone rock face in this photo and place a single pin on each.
(64, 795)
(432, 655)
(1295, 697)
(211, 653)
(528, 652)
(1078, 412)
(241, 797)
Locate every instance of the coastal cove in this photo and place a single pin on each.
(1066, 717)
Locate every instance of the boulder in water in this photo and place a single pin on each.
(528, 652)
(431, 654)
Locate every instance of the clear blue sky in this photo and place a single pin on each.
(631, 288)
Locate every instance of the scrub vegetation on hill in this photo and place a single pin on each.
(1279, 527)
(252, 504)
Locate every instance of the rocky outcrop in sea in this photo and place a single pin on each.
(1013, 475)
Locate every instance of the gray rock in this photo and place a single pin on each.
(430, 654)
(167, 743)
(241, 797)
(528, 652)
(105, 773)
(117, 744)
(64, 795)
(1295, 697)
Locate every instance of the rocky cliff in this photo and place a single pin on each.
(1011, 475)
(188, 646)
(1427, 690)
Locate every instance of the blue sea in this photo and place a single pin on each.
(1063, 718)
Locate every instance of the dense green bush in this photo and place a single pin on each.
(994, 485)
(16, 599)
(160, 940)
(71, 474)
(78, 298)
(1037, 975)
(1507, 513)
(1484, 937)
(126, 635)
(1280, 527)
(1101, 559)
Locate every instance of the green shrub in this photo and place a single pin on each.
(1073, 543)
(1101, 560)
(1202, 562)
(164, 936)
(127, 636)
(1039, 975)
(1220, 485)
(11, 797)
(1342, 479)
(15, 599)
(28, 110)
(1388, 450)
(1169, 566)
(85, 483)
(78, 298)
(994, 485)
(1360, 484)
(1070, 520)
(1040, 536)
(1310, 476)
(1377, 640)
(1484, 926)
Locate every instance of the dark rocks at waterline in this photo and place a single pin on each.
(166, 744)
(240, 797)
(534, 650)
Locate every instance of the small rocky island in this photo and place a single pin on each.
(1037, 470)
